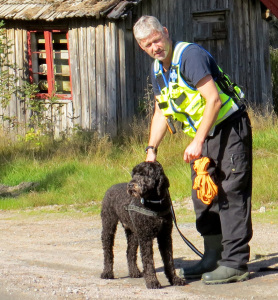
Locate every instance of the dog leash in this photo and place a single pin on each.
(188, 243)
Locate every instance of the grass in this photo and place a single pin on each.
(265, 160)
(73, 174)
(62, 182)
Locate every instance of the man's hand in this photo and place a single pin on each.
(151, 156)
(193, 151)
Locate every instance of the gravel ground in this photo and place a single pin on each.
(58, 256)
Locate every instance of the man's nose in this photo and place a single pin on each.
(155, 46)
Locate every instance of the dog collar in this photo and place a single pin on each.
(152, 201)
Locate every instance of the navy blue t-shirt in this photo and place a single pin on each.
(196, 63)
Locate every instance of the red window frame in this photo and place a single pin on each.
(50, 64)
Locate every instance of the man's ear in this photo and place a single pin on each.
(165, 31)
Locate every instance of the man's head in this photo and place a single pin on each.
(153, 38)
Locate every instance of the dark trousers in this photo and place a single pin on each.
(230, 152)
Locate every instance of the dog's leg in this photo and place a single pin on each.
(146, 248)
(109, 226)
(131, 253)
(165, 246)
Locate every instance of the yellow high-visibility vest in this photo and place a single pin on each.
(184, 102)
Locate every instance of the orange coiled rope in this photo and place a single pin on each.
(206, 188)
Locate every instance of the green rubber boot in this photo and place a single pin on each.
(212, 253)
(225, 275)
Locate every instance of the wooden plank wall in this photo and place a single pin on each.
(17, 56)
(97, 74)
(101, 99)
(110, 73)
(250, 51)
(244, 54)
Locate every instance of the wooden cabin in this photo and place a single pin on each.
(82, 54)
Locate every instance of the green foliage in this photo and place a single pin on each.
(76, 172)
(265, 175)
(274, 76)
(39, 123)
(273, 32)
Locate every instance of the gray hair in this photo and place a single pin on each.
(145, 26)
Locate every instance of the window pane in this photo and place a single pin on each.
(53, 66)
(39, 65)
(61, 63)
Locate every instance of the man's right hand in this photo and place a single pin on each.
(151, 156)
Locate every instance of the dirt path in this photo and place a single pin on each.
(52, 256)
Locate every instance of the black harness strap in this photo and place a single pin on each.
(178, 101)
(160, 81)
(163, 105)
(147, 212)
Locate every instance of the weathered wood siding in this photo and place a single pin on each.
(17, 56)
(232, 31)
(98, 74)
(98, 68)
(110, 73)
(60, 113)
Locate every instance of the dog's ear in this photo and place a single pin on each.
(163, 181)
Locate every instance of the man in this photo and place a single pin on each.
(190, 87)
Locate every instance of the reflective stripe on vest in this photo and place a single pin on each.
(184, 102)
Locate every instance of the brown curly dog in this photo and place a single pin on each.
(143, 208)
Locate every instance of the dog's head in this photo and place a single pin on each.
(147, 178)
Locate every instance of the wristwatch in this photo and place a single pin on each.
(151, 147)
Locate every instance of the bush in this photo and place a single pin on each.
(274, 76)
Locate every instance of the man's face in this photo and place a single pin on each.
(157, 45)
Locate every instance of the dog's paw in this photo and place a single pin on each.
(178, 281)
(153, 285)
(107, 275)
(135, 274)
